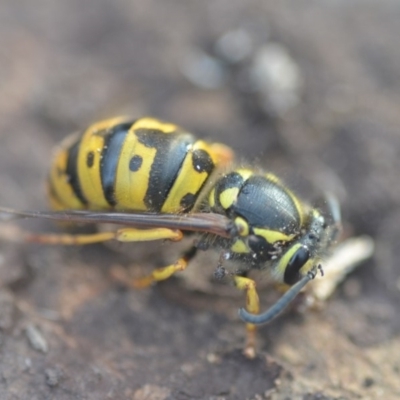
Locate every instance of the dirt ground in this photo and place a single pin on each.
(330, 122)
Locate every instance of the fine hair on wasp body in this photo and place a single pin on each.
(161, 182)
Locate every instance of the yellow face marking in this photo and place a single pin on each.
(308, 266)
(284, 261)
(65, 195)
(151, 123)
(228, 197)
(239, 247)
(272, 236)
(188, 181)
(131, 186)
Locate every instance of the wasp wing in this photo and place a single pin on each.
(197, 222)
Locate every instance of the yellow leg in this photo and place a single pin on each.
(159, 274)
(122, 235)
(253, 306)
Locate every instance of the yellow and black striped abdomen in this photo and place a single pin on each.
(142, 165)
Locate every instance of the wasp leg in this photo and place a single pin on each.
(253, 304)
(159, 274)
(122, 235)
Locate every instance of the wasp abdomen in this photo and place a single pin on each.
(142, 165)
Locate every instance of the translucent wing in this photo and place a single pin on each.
(196, 222)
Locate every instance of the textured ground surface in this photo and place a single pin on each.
(66, 330)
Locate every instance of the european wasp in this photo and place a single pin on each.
(160, 182)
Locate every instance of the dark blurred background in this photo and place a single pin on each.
(309, 90)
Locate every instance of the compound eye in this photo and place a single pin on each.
(260, 247)
(292, 271)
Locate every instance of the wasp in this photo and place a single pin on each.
(160, 182)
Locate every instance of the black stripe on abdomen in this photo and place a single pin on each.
(171, 150)
(72, 172)
(113, 142)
